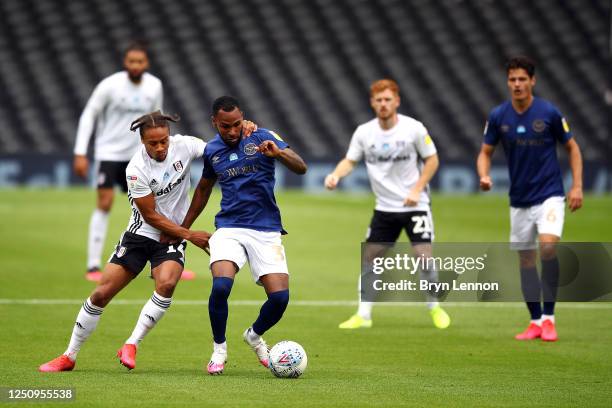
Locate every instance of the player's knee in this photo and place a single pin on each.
(280, 299)
(547, 251)
(221, 288)
(100, 297)
(165, 288)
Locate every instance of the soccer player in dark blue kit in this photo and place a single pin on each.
(248, 226)
(529, 129)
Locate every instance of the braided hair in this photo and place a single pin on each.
(153, 120)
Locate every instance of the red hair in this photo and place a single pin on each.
(383, 84)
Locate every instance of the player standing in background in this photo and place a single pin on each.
(158, 178)
(113, 105)
(529, 129)
(401, 159)
(248, 226)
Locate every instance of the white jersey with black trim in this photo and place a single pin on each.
(168, 181)
(114, 104)
(394, 159)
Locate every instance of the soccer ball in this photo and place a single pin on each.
(288, 359)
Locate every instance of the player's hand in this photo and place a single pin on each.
(574, 199)
(331, 181)
(486, 183)
(168, 239)
(80, 165)
(200, 239)
(248, 128)
(269, 148)
(413, 198)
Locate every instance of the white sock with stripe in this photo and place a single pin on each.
(98, 225)
(85, 324)
(151, 313)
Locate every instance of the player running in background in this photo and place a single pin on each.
(248, 226)
(529, 129)
(113, 105)
(401, 159)
(158, 178)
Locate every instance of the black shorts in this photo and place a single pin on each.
(133, 251)
(387, 226)
(110, 174)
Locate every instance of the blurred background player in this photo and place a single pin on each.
(529, 129)
(113, 105)
(158, 178)
(248, 226)
(401, 159)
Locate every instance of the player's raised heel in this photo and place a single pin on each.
(355, 322)
(188, 275)
(61, 363)
(216, 365)
(93, 274)
(532, 332)
(127, 356)
(549, 332)
(258, 346)
(440, 318)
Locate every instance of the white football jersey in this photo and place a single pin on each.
(394, 159)
(168, 181)
(113, 106)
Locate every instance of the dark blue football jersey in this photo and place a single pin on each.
(530, 142)
(246, 178)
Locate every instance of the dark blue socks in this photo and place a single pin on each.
(530, 284)
(271, 311)
(217, 307)
(550, 281)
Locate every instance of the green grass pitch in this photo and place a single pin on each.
(402, 361)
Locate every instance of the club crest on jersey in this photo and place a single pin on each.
(538, 125)
(250, 149)
(521, 129)
(233, 157)
(120, 251)
(178, 166)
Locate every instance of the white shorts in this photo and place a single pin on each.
(527, 223)
(263, 251)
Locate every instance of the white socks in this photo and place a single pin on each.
(548, 317)
(151, 313)
(86, 323)
(365, 310)
(97, 235)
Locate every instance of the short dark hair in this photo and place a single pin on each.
(225, 103)
(523, 62)
(153, 120)
(137, 45)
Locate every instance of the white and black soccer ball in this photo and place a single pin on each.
(288, 359)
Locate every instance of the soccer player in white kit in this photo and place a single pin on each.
(158, 178)
(113, 105)
(401, 159)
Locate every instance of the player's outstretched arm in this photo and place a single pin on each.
(343, 168)
(287, 156)
(574, 198)
(483, 164)
(200, 198)
(146, 206)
